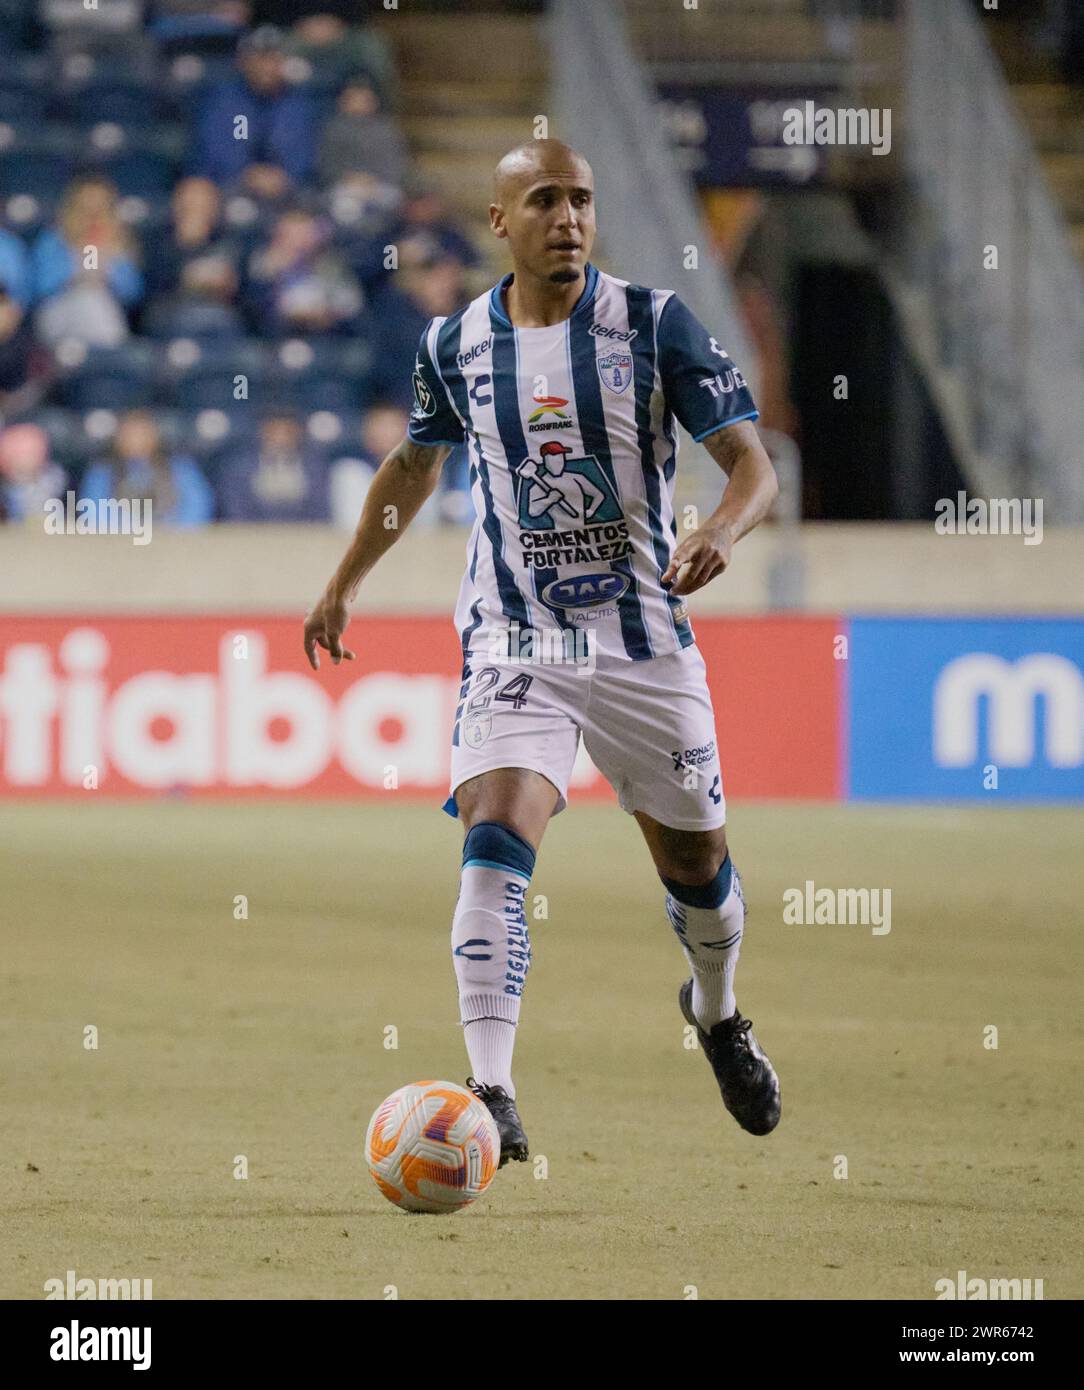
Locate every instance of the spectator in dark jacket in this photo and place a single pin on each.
(361, 141)
(427, 284)
(298, 283)
(275, 145)
(281, 480)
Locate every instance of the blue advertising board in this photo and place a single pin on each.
(966, 709)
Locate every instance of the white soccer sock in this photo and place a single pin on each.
(711, 939)
(491, 948)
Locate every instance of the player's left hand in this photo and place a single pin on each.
(698, 559)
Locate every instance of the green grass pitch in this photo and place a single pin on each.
(265, 1038)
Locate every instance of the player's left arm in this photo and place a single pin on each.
(751, 489)
(707, 392)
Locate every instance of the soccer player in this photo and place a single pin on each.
(575, 540)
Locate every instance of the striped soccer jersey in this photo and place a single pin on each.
(573, 447)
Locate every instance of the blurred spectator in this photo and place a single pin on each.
(426, 213)
(336, 46)
(193, 272)
(28, 477)
(16, 342)
(427, 284)
(279, 143)
(298, 283)
(14, 268)
(14, 298)
(138, 466)
(283, 479)
(361, 141)
(81, 300)
(383, 426)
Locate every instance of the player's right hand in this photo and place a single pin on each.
(324, 627)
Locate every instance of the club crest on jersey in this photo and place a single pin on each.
(615, 369)
(476, 729)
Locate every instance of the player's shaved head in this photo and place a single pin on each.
(544, 206)
(533, 160)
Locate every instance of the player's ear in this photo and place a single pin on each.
(496, 220)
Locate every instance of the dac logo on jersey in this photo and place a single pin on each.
(562, 491)
(424, 402)
(615, 369)
(584, 590)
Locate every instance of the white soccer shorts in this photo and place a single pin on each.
(648, 727)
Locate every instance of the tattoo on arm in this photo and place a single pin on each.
(418, 460)
(726, 446)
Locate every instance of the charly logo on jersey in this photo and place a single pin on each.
(584, 590)
(548, 405)
(424, 401)
(615, 369)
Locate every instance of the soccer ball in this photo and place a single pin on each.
(432, 1146)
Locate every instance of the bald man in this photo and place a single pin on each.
(560, 352)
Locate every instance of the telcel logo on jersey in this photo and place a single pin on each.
(465, 358)
(614, 335)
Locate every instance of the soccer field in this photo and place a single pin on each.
(266, 1038)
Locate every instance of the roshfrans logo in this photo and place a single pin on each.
(547, 405)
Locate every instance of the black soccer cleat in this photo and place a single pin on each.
(747, 1080)
(509, 1126)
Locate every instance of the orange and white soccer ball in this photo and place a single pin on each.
(432, 1146)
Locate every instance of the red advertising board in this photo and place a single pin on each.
(228, 706)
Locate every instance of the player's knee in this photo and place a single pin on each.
(693, 859)
(492, 844)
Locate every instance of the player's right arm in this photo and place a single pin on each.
(402, 483)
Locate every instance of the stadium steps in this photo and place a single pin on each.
(1053, 115)
(464, 122)
(723, 34)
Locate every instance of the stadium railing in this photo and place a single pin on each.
(1004, 347)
